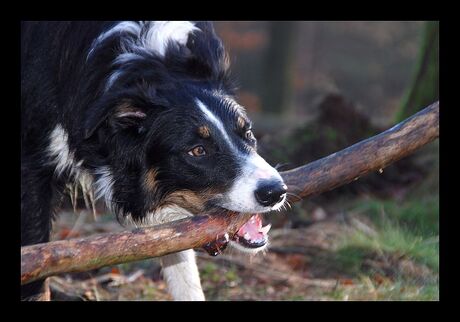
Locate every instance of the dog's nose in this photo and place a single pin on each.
(270, 192)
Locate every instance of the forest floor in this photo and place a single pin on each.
(366, 253)
(346, 246)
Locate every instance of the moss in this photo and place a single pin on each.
(331, 134)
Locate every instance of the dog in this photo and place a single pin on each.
(143, 115)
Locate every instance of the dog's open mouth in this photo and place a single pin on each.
(251, 237)
(253, 234)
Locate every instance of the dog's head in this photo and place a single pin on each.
(172, 136)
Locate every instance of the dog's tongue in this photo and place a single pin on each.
(252, 231)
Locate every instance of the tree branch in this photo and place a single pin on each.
(82, 254)
(366, 156)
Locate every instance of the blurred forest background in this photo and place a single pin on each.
(313, 88)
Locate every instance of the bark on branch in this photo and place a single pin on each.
(82, 254)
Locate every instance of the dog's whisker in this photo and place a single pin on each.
(278, 166)
(294, 195)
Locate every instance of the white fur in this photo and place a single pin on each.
(182, 276)
(59, 150)
(153, 36)
(247, 250)
(161, 33)
(104, 186)
(64, 160)
(241, 196)
(126, 57)
(164, 215)
(131, 27)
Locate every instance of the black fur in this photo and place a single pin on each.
(64, 84)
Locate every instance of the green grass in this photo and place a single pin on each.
(149, 293)
(407, 230)
(349, 257)
(399, 290)
(211, 272)
(419, 215)
(390, 239)
(410, 228)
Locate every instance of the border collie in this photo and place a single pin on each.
(142, 115)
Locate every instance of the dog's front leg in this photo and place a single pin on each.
(180, 271)
(182, 277)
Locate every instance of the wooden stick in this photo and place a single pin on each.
(83, 254)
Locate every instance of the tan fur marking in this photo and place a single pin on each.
(124, 107)
(150, 179)
(188, 200)
(203, 131)
(240, 122)
(192, 201)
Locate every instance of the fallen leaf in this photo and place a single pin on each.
(295, 261)
(115, 271)
(66, 233)
(346, 281)
(379, 279)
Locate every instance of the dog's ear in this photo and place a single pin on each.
(127, 116)
(124, 116)
(208, 58)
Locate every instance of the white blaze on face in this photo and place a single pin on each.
(217, 123)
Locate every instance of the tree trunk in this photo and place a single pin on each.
(425, 85)
(277, 84)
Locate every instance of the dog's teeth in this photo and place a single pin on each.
(265, 229)
(226, 237)
(247, 236)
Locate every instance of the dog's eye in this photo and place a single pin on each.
(249, 135)
(197, 151)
